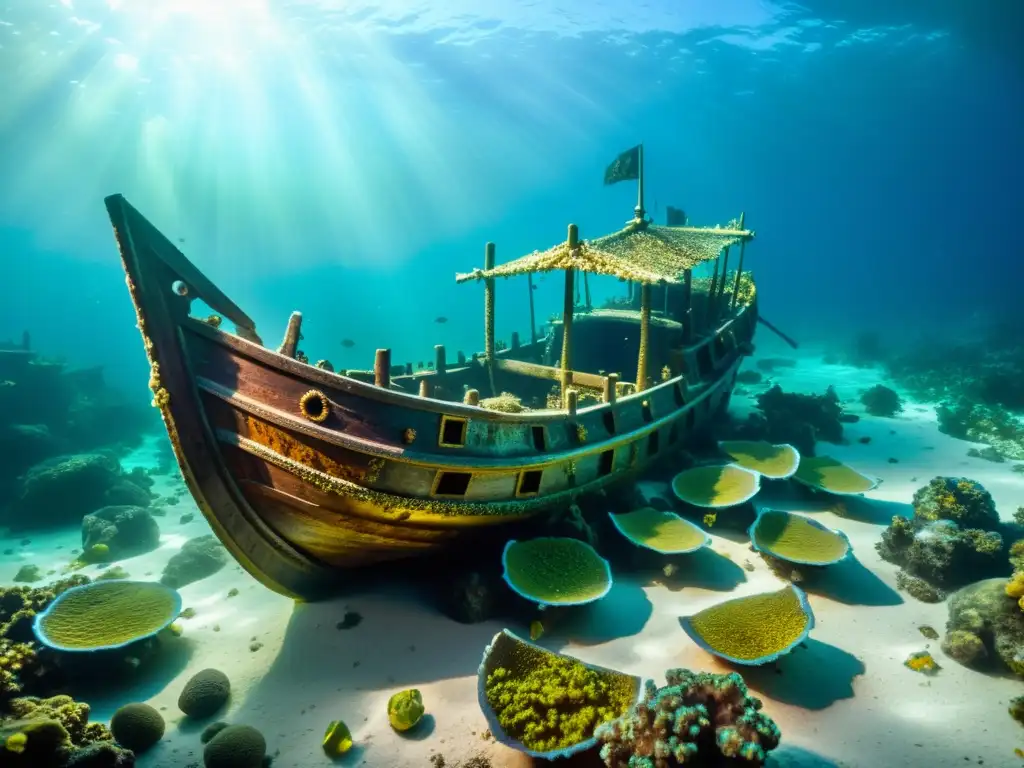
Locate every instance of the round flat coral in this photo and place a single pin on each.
(513, 667)
(556, 571)
(106, 614)
(716, 487)
(664, 532)
(776, 462)
(827, 474)
(753, 630)
(797, 539)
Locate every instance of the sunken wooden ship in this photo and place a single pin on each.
(304, 471)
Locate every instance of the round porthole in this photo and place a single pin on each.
(179, 288)
(314, 405)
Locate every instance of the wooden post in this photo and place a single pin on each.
(425, 388)
(687, 313)
(290, 344)
(440, 360)
(408, 369)
(533, 320)
(645, 334)
(739, 268)
(461, 357)
(567, 308)
(382, 369)
(721, 285)
(572, 401)
(515, 340)
(586, 293)
(489, 315)
(611, 388)
(472, 397)
(710, 308)
(639, 211)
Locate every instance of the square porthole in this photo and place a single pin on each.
(608, 417)
(679, 394)
(673, 433)
(645, 410)
(529, 482)
(451, 484)
(606, 462)
(540, 442)
(653, 443)
(704, 360)
(453, 432)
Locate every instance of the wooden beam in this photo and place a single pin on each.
(537, 371)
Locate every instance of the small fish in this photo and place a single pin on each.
(181, 239)
(670, 570)
(441, 320)
(347, 343)
(536, 630)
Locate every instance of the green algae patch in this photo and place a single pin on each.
(556, 571)
(716, 487)
(823, 473)
(776, 462)
(548, 704)
(662, 531)
(797, 539)
(106, 614)
(753, 630)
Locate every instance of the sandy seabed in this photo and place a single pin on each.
(846, 699)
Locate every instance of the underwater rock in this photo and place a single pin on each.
(523, 691)
(126, 530)
(28, 574)
(212, 730)
(918, 588)
(137, 726)
(471, 595)
(106, 614)
(965, 648)
(952, 539)
(556, 571)
(198, 558)
(880, 400)
(63, 490)
(205, 693)
(237, 746)
(681, 723)
(753, 630)
(796, 419)
(985, 611)
(748, 377)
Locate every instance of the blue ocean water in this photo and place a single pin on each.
(347, 159)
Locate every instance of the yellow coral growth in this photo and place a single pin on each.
(716, 487)
(755, 629)
(923, 662)
(797, 539)
(107, 614)
(549, 702)
(662, 531)
(1015, 588)
(827, 474)
(556, 571)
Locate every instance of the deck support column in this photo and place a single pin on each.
(489, 316)
(290, 344)
(739, 268)
(533, 320)
(687, 310)
(611, 383)
(568, 304)
(382, 369)
(645, 334)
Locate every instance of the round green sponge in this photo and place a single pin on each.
(237, 746)
(137, 727)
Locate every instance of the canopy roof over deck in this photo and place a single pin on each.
(580, 256)
(669, 250)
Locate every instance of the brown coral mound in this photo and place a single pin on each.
(699, 718)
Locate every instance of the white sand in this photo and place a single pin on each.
(846, 698)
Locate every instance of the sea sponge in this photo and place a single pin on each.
(1015, 587)
(923, 662)
(237, 746)
(753, 630)
(682, 723)
(716, 486)
(405, 709)
(125, 530)
(776, 462)
(556, 571)
(660, 530)
(137, 727)
(964, 647)
(879, 400)
(106, 614)
(797, 539)
(205, 692)
(57, 732)
(547, 704)
(823, 473)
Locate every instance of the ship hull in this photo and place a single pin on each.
(304, 473)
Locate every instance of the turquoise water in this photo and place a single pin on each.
(348, 159)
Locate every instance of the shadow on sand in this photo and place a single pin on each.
(705, 569)
(814, 675)
(623, 612)
(851, 583)
(795, 498)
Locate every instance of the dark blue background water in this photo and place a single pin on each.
(874, 147)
